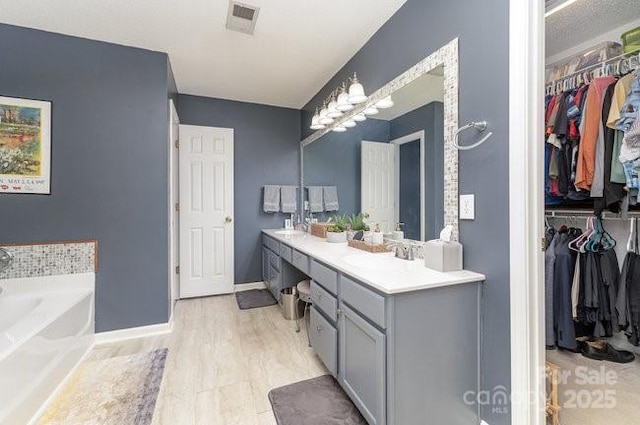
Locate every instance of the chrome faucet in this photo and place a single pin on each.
(403, 252)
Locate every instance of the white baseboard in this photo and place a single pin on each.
(131, 333)
(239, 287)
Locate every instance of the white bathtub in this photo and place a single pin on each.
(47, 324)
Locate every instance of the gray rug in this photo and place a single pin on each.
(254, 298)
(317, 401)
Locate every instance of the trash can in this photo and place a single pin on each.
(289, 302)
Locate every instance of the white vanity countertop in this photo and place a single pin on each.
(389, 275)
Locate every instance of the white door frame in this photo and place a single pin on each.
(526, 210)
(173, 223)
(418, 135)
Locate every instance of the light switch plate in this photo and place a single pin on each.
(467, 207)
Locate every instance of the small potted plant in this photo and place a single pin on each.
(336, 233)
(356, 223)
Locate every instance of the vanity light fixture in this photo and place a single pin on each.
(371, 110)
(324, 119)
(339, 128)
(360, 117)
(356, 91)
(349, 123)
(332, 112)
(315, 121)
(343, 100)
(385, 103)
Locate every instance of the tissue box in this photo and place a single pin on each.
(443, 256)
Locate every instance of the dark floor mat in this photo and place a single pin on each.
(317, 401)
(254, 298)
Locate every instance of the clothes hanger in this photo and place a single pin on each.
(577, 243)
(630, 242)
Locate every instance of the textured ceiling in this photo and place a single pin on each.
(297, 47)
(587, 19)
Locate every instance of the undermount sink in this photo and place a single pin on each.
(378, 262)
(289, 232)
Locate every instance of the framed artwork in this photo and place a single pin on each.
(25, 146)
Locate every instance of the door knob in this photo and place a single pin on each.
(228, 219)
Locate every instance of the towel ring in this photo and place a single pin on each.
(480, 126)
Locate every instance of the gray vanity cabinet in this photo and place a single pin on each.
(362, 360)
(277, 271)
(324, 340)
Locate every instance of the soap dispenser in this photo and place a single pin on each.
(377, 237)
(398, 234)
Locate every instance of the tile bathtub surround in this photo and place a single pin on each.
(50, 259)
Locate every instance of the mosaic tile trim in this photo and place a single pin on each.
(51, 259)
(447, 55)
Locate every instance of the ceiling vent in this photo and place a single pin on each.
(242, 17)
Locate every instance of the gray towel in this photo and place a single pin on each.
(289, 198)
(315, 199)
(271, 199)
(330, 198)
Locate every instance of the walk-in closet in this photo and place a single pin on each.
(592, 212)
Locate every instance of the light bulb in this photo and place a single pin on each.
(339, 129)
(343, 101)
(349, 123)
(332, 112)
(356, 91)
(315, 122)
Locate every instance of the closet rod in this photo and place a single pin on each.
(588, 213)
(629, 55)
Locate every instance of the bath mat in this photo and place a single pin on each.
(254, 298)
(317, 401)
(115, 391)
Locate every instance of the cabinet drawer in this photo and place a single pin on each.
(274, 260)
(365, 301)
(324, 340)
(285, 252)
(324, 301)
(325, 276)
(270, 243)
(301, 261)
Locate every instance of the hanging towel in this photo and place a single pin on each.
(315, 199)
(330, 198)
(288, 198)
(271, 199)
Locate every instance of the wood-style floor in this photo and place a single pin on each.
(597, 392)
(223, 361)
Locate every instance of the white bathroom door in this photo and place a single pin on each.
(206, 211)
(378, 183)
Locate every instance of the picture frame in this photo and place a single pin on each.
(25, 146)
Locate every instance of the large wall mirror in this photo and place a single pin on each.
(398, 165)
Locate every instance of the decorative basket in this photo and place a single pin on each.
(369, 247)
(320, 229)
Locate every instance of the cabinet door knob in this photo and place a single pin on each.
(319, 328)
(319, 295)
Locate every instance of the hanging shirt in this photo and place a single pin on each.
(629, 111)
(592, 123)
(598, 183)
(623, 87)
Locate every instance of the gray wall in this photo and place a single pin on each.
(266, 151)
(419, 28)
(108, 163)
(334, 160)
(429, 118)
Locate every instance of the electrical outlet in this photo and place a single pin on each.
(484, 422)
(467, 207)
